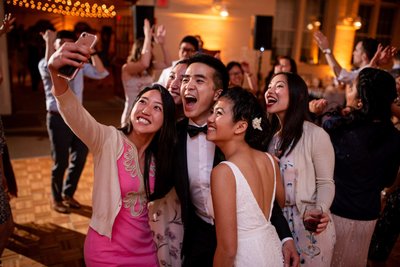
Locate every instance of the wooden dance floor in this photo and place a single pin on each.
(43, 237)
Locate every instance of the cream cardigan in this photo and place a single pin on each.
(314, 159)
(106, 145)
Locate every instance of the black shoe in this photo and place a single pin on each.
(60, 207)
(71, 202)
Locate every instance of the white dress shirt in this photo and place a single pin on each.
(200, 158)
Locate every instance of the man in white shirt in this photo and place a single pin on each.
(362, 56)
(188, 46)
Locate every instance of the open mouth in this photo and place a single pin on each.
(143, 120)
(271, 100)
(190, 100)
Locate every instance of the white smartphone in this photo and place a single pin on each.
(69, 72)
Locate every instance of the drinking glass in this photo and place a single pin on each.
(311, 218)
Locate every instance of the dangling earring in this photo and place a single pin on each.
(359, 104)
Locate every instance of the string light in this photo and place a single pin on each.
(68, 7)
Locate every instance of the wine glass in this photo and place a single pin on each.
(311, 219)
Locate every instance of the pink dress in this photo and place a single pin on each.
(132, 241)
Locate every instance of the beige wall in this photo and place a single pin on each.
(231, 35)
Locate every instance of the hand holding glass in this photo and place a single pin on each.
(311, 219)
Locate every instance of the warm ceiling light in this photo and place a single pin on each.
(64, 8)
(220, 7)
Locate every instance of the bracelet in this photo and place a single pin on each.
(327, 51)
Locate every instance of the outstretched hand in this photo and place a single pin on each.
(7, 24)
(383, 55)
(160, 34)
(147, 29)
(49, 36)
(321, 40)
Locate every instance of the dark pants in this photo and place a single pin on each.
(67, 151)
(200, 244)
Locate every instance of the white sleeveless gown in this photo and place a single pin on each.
(258, 241)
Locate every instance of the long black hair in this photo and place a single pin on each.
(376, 89)
(296, 113)
(160, 146)
(246, 107)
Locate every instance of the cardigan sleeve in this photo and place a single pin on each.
(323, 157)
(92, 133)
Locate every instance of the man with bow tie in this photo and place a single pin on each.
(205, 78)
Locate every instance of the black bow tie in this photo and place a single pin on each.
(194, 130)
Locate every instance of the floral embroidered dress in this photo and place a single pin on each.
(325, 240)
(131, 231)
(166, 223)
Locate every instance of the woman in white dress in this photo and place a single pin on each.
(244, 186)
(137, 72)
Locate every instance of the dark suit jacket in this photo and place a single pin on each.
(183, 191)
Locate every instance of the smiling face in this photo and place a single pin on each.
(220, 125)
(186, 50)
(147, 114)
(236, 76)
(277, 96)
(358, 54)
(283, 65)
(174, 82)
(352, 99)
(198, 92)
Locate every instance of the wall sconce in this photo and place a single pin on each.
(349, 21)
(314, 25)
(220, 7)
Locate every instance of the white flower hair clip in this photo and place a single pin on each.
(256, 123)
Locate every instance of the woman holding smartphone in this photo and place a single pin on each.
(131, 166)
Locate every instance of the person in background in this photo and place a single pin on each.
(188, 46)
(306, 160)
(165, 213)
(237, 72)
(137, 72)
(367, 53)
(244, 186)
(205, 78)
(387, 228)
(67, 150)
(132, 167)
(6, 219)
(282, 64)
(367, 159)
(396, 61)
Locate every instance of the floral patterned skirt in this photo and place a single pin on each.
(166, 225)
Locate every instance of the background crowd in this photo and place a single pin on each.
(217, 197)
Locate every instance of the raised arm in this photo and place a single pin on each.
(49, 37)
(251, 78)
(7, 24)
(137, 67)
(160, 39)
(323, 44)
